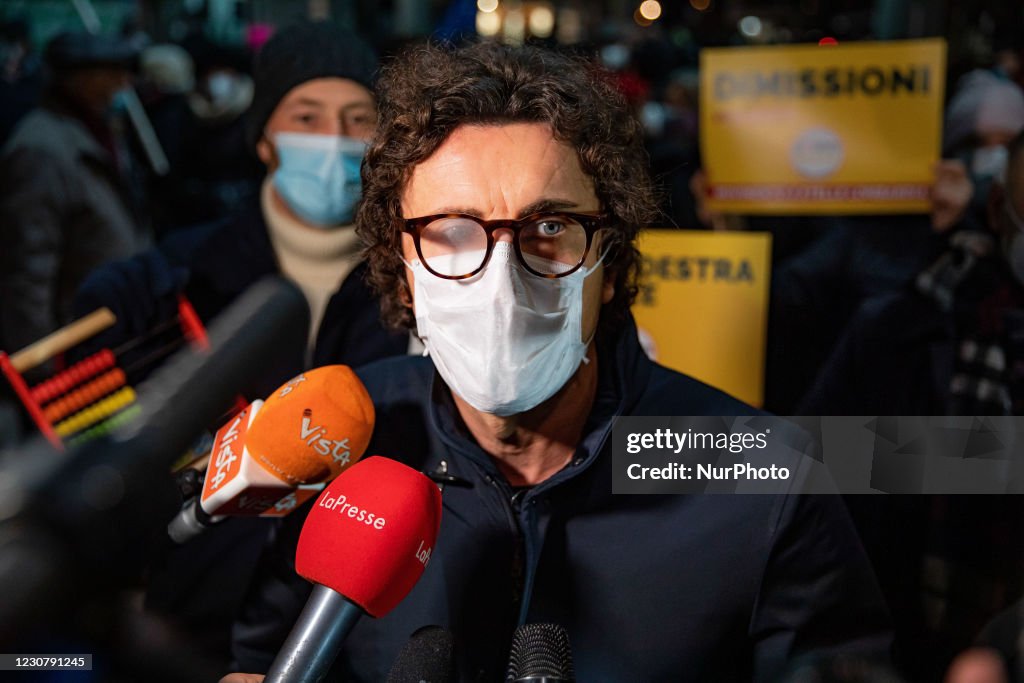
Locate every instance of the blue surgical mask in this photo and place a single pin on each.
(318, 176)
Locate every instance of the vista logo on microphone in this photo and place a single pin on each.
(226, 454)
(316, 437)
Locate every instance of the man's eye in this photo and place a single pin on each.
(306, 119)
(549, 228)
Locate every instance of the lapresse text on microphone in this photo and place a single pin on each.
(364, 545)
(276, 454)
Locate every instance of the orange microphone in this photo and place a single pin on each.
(278, 453)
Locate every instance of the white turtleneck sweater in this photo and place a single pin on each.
(316, 260)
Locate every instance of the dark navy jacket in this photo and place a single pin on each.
(651, 588)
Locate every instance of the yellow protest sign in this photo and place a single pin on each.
(703, 306)
(800, 129)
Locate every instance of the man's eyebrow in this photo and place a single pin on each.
(552, 204)
(306, 102)
(456, 209)
(539, 206)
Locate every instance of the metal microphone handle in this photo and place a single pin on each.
(313, 644)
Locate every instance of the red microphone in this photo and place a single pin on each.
(365, 544)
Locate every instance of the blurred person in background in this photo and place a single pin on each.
(820, 280)
(985, 112)
(670, 123)
(665, 101)
(820, 291)
(825, 268)
(219, 174)
(197, 107)
(166, 78)
(949, 343)
(312, 113)
(66, 203)
(21, 75)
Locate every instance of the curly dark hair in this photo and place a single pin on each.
(429, 91)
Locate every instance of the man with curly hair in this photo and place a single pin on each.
(503, 195)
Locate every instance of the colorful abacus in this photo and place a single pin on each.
(93, 396)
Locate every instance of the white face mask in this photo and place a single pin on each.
(988, 162)
(504, 340)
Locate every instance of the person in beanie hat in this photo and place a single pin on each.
(311, 116)
(312, 113)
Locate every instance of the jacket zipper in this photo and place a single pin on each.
(510, 505)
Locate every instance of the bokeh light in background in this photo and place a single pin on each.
(750, 26)
(977, 29)
(514, 22)
(569, 26)
(488, 23)
(650, 10)
(514, 26)
(541, 21)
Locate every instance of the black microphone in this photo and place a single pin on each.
(540, 654)
(428, 657)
